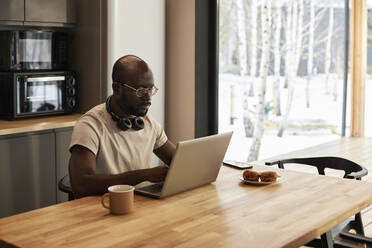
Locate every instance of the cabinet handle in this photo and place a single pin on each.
(45, 79)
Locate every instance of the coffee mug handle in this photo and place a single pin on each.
(103, 200)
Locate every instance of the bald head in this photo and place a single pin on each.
(130, 68)
(129, 74)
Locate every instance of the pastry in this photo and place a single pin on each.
(251, 175)
(268, 176)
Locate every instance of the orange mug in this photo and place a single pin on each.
(121, 199)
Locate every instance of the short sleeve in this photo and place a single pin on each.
(85, 134)
(161, 137)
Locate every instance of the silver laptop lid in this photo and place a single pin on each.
(195, 163)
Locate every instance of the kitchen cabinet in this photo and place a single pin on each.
(54, 13)
(27, 172)
(30, 168)
(12, 10)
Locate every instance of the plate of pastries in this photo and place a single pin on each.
(261, 178)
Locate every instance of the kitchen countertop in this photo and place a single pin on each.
(37, 124)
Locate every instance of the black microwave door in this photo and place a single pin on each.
(39, 95)
(35, 50)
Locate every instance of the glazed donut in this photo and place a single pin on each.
(268, 176)
(251, 175)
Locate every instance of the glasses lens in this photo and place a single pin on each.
(143, 91)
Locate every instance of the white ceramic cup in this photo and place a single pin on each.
(121, 199)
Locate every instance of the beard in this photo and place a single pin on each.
(138, 110)
(141, 113)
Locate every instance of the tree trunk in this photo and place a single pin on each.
(227, 35)
(232, 104)
(339, 73)
(242, 41)
(253, 36)
(288, 45)
(292, 71)
(259, 127)
(248, 125)
(327, 63)
(310, 53)
(242, 48)
(277, 58)
(299, 34)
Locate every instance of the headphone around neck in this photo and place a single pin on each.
(125, 123)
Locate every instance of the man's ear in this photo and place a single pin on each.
(116, 88)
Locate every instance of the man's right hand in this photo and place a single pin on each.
(157, 174)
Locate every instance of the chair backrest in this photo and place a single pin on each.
(352, 170)
(64, 185)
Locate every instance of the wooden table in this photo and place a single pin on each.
(226, 213)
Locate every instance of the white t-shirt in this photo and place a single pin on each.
(117, 151)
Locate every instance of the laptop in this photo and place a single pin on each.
(195, 163)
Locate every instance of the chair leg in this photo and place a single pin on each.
(326, 240)
(70, 196)
(314, 243)
(358, 224)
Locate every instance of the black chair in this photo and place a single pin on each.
(64, 185)
(343, 238)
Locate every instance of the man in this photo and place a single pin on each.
(105, 149)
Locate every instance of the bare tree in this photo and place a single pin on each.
(253, 36)
(277, 58)
(253, 42)
(242, 48)
(259, 127)
(288, 40)
(327, 64)
(291, 63)
(310, 56)
(228, 35)
(299, 34)
(242, 40)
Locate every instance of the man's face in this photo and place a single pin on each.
(129, 102)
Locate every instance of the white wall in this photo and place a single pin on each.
(138, 27)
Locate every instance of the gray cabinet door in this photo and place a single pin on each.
(52, 11)
(27, 173)
(63, 137)
(12, 10)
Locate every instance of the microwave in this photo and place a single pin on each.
(33, 50)
(29, 94)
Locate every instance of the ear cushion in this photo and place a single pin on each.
(137, 123)
(124, 124)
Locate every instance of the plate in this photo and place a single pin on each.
(258, 182)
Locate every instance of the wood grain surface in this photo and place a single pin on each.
(355, 149)
(37, 124)
(226, 213)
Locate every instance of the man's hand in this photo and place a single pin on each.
(157, 174)
(85, 181)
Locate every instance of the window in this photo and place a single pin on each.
(281, 75)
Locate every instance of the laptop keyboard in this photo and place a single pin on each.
(153, 188)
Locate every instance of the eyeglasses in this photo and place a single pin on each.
(140, 92)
